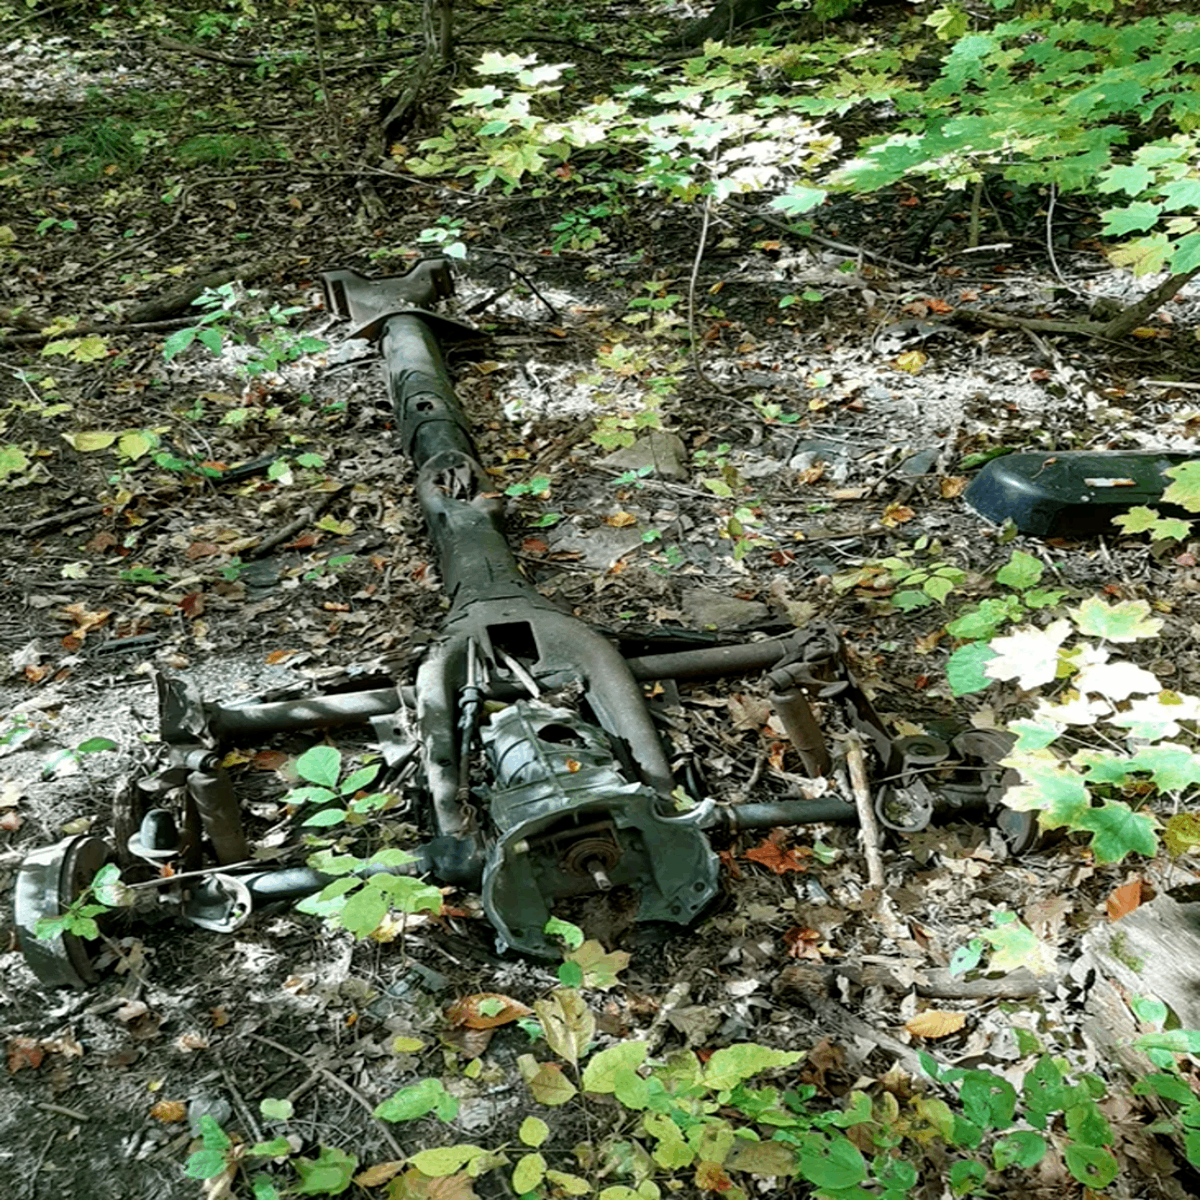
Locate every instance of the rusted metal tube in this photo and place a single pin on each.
(787, 812)
(711, 661)
(796, 716)
(285, 716)
(218, 807)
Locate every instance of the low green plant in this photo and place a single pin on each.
(912, 578)
(68, 759)
(1183, 491)
(363, 890)
(233, 316)
(102, 895)
(225, 149)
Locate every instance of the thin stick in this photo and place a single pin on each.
(856, 761)
(355, 1095)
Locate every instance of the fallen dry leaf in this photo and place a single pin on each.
(952, 486)
(486, 1010)
(778, 859)
(934, 1023)
(379, 1173)
(24, 1052)
(1123, 900)
(169, 1111)
(619, 520)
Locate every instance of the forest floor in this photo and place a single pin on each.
(808, 442)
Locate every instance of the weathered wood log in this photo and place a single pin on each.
(178, 299)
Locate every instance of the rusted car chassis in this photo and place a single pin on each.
(527, 731)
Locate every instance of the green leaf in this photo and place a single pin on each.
(799, 198)
(329, 1174)
(966, 958)
(1021, 1148)
(572, 935)
(1021, 571)
(1117, 831)
(572, 1185)
(446, 1160)
(325, 818)
(614, 1071)
(528, 1173)
(1091, 1165)
(277, 1147)
(359, 779)
(1184, 489)
(966, 1175)
(965, 668)
(95, 745)
(416, 1100)
(212, 1135)
(1049, 787)
(570, 975)
(276, 1110)
(1125, 621)
(205, 1164)
(363, 911)
(321, 764)
(1015, 945)
(1133, 218)
(1137, 520)
(732, 1065)
(13, 460)
(830, 1162)
(533, 1132)
(179, 341)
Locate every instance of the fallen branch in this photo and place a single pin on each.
(107, 330)
(182, 296)
(353, 1093)
(935, 983)
(856, 761)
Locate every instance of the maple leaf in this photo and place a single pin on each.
(1030, 656)
(1117, 680)
(1117, 831)
(1185, 488)
(1156, 717)
(1015, 945)
(774, 857)
(1126, 621)
(1048, 787)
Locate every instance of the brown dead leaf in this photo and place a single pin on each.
(99, 542)
(896, 514)
(534, 545)
(219, 1016)
(189, 1043)
(1123, 900)
(24, 1052)
(711, 1177)
(85, 619)
(201, 550)
(269, 760)
(278, 656)
(416, 1185)
(803, 943)
(770, 854)
(10, 822)
(486, 1010)
(169, 1111)
(379, 1173)
(192, 605)
(952, 486)
(619, 520)
(934, 1023)
(940, 307)
(811, 474)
